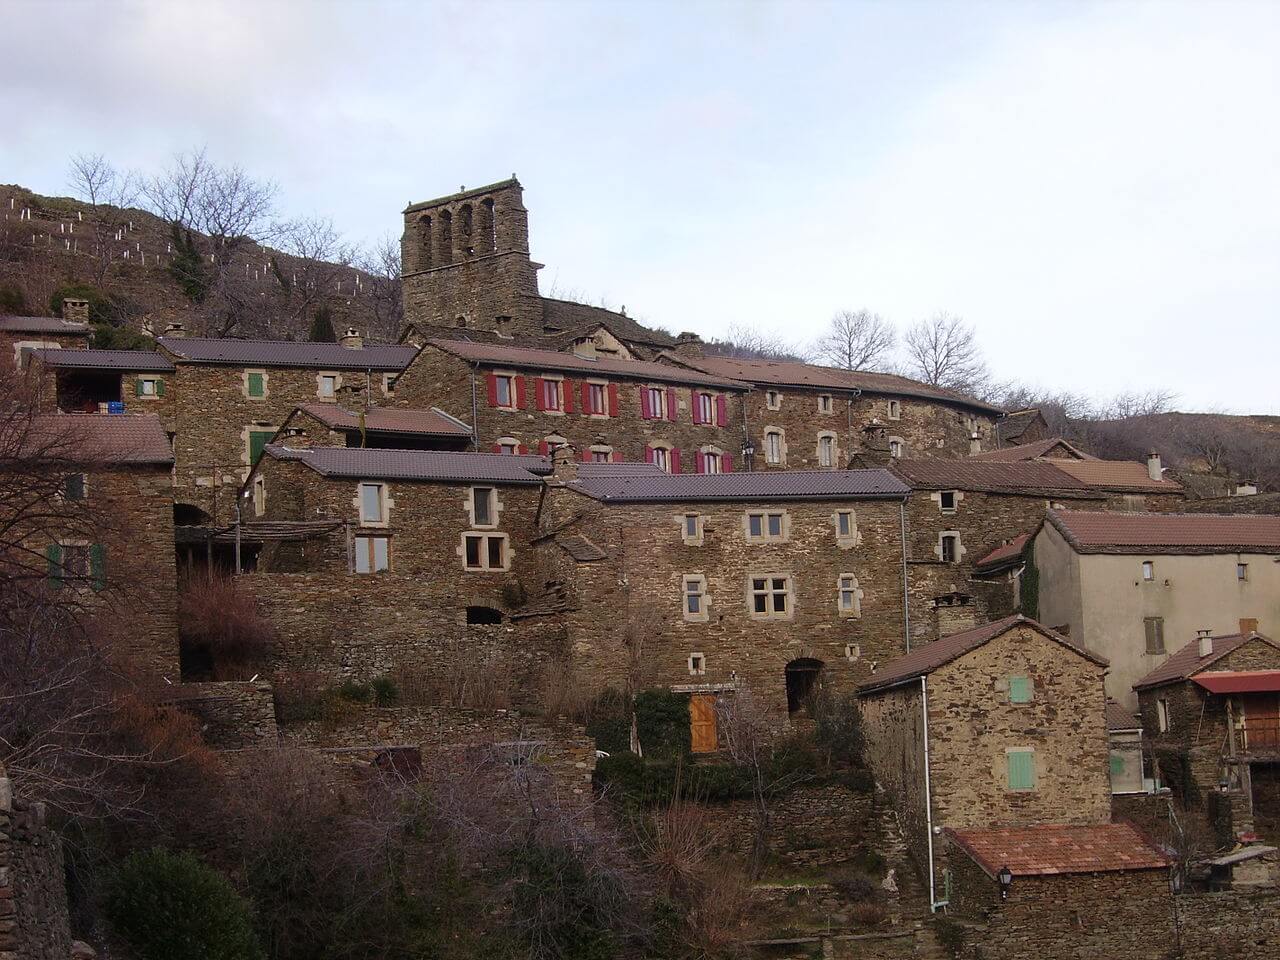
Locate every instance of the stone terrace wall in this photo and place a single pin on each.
(1236, 923)
(234, 714)
(34, 924)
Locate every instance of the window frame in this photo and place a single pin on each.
(853, 609)
(694, 585)
(708, 458)
(776, 435)
(942, 504)
(1242, 573)
(897, 447)
(1163, 725)
(894, 410)
(1029, 752)
(264, 381)
(485, 537)
(698, 537)
(249, 433)
(384, 503)
(828, 449)
(370, 555)
(773, 399)
(770, 592)
(494, 507)
(513, 394)
(141, 393)
(706, 407)
(1148, 571)
(766, 518)
(589, 395)
(826, 403)
(850, 538)
(259, 491)
(657, 411)
(958, 550)
(697, 664)
(555, 384)
(83, 479)
(1024, 687)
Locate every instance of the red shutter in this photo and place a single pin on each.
(586, 455)
(493, 389)
(497, 448)
(674, 459)
(695, 406)
(567, 393)
(673, 406)
(615, 456)
(519, 391)
(586, 397)
(726, 463)
(542, 448)
(645, 412)
(521, 448)
(613, 400)
(702, 462)
(539, 395)
(722, 412)
(648, 455)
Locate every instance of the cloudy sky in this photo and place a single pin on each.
(1095, 186)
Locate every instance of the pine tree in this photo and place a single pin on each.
(322, 327)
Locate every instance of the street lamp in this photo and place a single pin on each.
(1005, 876)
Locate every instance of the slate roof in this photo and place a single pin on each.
(659, 487)
(1120, 718)
(1004, 555)
(367, 463)
(1179, 533)
(98, 438)
(429, 423)
(1056, 849)
(1032, 451)
(1117, 475)
(580, 548)
(1031, 476)
(1187, 662)
(287, 353)
(1016, 422)
(582, 317)
(792, 373)
(14, 324)
(925, 659)
(528, 358)
(142, 361)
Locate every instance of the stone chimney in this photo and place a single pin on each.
(975, 443)
(688, 345)
(1154, 470)
(176, 330)
(564, 463)
(1248, 625)
(351, 339)
(75, 309)
(1205, 640)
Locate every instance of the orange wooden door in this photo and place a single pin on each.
(1262, 720)
(702, 723)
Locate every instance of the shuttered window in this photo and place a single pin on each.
(1022, 769)
(258, 439)
(1153, 627)
(257, 383)
(1020, 689)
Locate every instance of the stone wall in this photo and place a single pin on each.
(233, 714)
(34, 923)
(893, 723)
(1233, 924)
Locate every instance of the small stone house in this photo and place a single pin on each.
(1003, 724)
(106, 381)
(20, 335)
(1124, 730)
(324, 424)
(1128, 585)
(1048, 448)
(1213, 710)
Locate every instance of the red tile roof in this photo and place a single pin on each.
(925, 659)
(1005, 554)
(656, 486)
(1118, 475)
(433, 422)
(1052, 849)
(1115, 532)
(44, 325)
(287, 353)
(527, 358)
(1032, 451)
(1120, 718)
(102, 439)
(791, 373)
(1187, 662)
(130, 361)
(1031, 477)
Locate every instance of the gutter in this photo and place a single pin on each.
(928, 793)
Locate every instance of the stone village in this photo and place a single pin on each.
(1046, 647)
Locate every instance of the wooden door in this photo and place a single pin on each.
(1261, 721)
(702, 723)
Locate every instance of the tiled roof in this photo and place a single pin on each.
(1007, 553)
(366, 463)
(503, 355)
(581, 318)
(1115, 532)
(1119, 475)
(1187, 662)
(102, 438)
(580, 548)
(43, 325)
(772, 485)
(287, 353)
(431, 423)
(1120, 718)
(792, 373)
(1016, 422)
(1054, 849)
(1031, 477)
(143, 361)
(1033, 451)
(925, 659)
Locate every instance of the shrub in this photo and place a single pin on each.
(107, 309)
(951, 935)
(299, 696)
(607, 719)
(12, 300)
(188, 265)
(561, 908)
(662, 723)
(107, 337)
(221, 618)
(356, 691)
(855, 886)
(480, 684)
(322, 327)
(869, 913)
(838, 727)
(167, 905)
(385, 691)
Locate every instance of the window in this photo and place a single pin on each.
(596, 397)
(1020, 689)
(846, 527)
(484, 507)
(504, 391)
(1148, 570)
(704, 408)
(947, 501)
(849, 597)
(695, 597)
(826, 450)
(371, 554)
(328, 386)
(484, 551)
(895, 448)
(697, 664)
(373, 503)
(770, 597)
(551, 394)
(1153, 627)
(770, 525)
(895, 410)
(773, 399)
(1022, 768)
(256, 384)
(712, 462)
(388, 383)
(664, 458)
(148, 387)
(507, 445)
(691, 529)
(258, 440)
(1242, 571)
(773, 446)
(75, 487)
(75, 561)
(824, 403)
(950, 547)
(83, 563)
(654, 403)
(600, 455)
(1162, 715)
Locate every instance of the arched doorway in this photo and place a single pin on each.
(804, 676)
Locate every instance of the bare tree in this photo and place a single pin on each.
(748, 343)
(318, 259)
(382, 291)
(108, 193)
(944, 351)
(857, 340)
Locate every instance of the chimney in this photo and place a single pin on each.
(1154, 470)
(975, 443)
(688, 345)
(1246, 488)
(1248, 625)
(351, 339)
(75, 309)
(1205, 640)
(564, 464)
(175, 330)
(875, 444)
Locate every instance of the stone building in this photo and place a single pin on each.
(1019, 427)
(1131, 586)
(71, 331)
(805, 416)
(1049, 448)
(1002, 724)
(326, 424)
(702, 584)
(530, 400)
(231, 396)
(1213, 708)
(92, 381)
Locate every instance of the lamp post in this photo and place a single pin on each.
(1005, 876)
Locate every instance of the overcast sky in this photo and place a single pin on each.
(1095, 187)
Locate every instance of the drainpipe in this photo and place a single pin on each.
(475, 423)
(928, 791)
(906, 586)
(237, 533)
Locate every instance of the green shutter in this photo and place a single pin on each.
(53, 554)
(98, 566)
(257, 440)
(1022, 770)
(256, 385)
(159, 387)
(1117, 765)
(137, 387)
(1019, 689)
